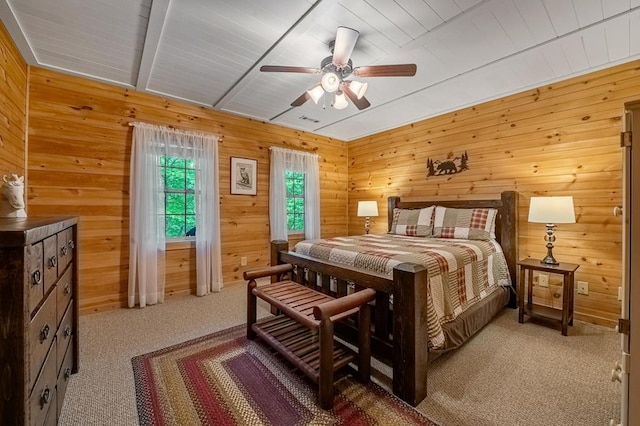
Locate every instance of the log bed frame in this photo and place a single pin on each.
(400, 340)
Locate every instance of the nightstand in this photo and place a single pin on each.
(526, 306)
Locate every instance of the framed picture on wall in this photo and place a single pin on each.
(243, 176)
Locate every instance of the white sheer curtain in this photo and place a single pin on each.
(283, 160)
(147, 216)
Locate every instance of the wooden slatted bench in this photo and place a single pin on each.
(303, 333)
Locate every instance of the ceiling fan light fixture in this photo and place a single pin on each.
(330, 82)
(340, 101)
(316, 93)
(358, 88)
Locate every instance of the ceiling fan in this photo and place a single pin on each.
(336, 70)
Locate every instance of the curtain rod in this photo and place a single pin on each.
(192, 132)
(297, 151)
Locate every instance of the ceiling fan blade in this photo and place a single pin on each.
(361, 103)
(280, 68)
(343, 46)
(399, 70)
(301, 99)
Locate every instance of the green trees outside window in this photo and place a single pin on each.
(179, 178)
(295, 201)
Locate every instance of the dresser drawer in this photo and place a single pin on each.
(50, 262)
(52, 415)
(64, 334)
(42, 331)
(35, 274)
(65, 248)
(63, 377)
(64, 292)
(43, 394)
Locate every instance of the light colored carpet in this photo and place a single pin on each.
(508, 374)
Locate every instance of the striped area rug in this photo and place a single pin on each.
(225, 379)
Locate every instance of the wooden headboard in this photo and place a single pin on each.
(506, 222)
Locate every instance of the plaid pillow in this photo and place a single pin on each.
(413, 222)
(470, 224)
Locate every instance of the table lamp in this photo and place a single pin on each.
(551, 210)
(367, 209)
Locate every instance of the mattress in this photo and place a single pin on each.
(460, 272)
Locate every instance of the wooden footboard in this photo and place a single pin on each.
(401, 339)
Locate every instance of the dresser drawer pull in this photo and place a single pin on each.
(37, 277)
(67, 288)
(71, 244)
(53, 261)
(67, 331)
(45, 397)
(63, 251)
(44, 333)
(67, 373)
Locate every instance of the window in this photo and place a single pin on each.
(295, 201)
(179, 177)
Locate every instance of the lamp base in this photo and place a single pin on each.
(549, 260)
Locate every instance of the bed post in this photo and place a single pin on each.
(410, 332)
(276, 247)
(392, 203)
(509, 238)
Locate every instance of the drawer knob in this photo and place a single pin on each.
(71, 244)
(67, 288)
(63, 251)
(44, 333)
(45, 397)
(37, 277)
(67, 331)
(67, 373)
(53, 261)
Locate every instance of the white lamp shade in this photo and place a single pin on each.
(552, 210)
(367, 208)
(316, 93)
(340, 102)
(358, 88)
(330, 82)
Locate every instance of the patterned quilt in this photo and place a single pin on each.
(460, 272)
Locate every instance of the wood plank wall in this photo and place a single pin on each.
(560, 139)
(79, 154)
(13, 96)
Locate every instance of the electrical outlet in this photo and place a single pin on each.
(243, 261)
(543, 280)
(583, 288)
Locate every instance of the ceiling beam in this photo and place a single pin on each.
(157, 18)
(17, 34)
(316, 11)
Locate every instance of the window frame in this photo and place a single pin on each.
(296, 176)
(163, 166)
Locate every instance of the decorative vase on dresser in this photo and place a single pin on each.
(38, 317)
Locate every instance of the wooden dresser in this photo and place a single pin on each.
(38, 317)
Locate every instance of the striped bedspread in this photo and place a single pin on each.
(460, 272)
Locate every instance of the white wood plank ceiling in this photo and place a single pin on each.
(209, 52)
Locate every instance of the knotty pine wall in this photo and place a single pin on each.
(79, 154)
(13, 114)
(560, 139)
